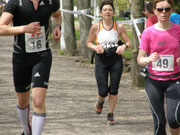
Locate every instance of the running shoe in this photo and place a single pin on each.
(99, 106)
(110, 119)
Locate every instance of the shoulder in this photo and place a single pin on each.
(120, 27)
(95, 26)
(148, 31)
(55, 4)
(11, 6)
(12, 2)
(175, 26)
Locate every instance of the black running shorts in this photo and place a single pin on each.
(31, 69)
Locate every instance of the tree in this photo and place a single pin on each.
(85, 24)
(69, 34)
(177, 6)
(100, 1)
(122, 4)
(137, 7)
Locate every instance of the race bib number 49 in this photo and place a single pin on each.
(164, 63)
(35, 42)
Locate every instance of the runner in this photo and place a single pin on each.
(32, 56)
(149, 14)
(162, 44)
(108, 57)
(175, 18)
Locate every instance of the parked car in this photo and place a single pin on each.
(127, 14)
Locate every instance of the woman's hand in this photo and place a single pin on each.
(99, 49)
(121, 49)
(154, 57)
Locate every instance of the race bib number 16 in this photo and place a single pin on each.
(164, 63)
(35, 42)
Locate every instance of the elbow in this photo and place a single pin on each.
(88, 43)
(139, 62)
(129, 44)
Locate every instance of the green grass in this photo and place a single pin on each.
(129, 33)
(77, 32)
(117, 18)
(127, 54)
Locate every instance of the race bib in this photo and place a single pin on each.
(164, 63)
(35, 42)
(109, 45)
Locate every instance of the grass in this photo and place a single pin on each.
(77, 32)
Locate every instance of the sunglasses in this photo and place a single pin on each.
(168, 9)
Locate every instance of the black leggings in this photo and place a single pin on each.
(156, 91)
(104, 67)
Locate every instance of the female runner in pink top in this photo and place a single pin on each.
(162, 44)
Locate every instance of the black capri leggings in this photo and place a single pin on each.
(156, 91)
(112, 67)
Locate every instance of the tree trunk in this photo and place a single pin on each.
(69, 29)
(137, 8)
(85, 24)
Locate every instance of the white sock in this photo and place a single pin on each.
(23, 114)
(38, 122)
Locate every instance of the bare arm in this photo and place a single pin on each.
(143, 60)
(123, 34)
(6, 30)
(57, 20)
(92, 35)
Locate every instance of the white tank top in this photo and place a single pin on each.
(107, 36)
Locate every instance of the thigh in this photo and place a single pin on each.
(101, 74)
(41, 70)
(155, 95)
(115, 74)
(21, 73)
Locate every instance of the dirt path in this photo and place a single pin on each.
(70, 100)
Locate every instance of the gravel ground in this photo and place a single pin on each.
(70, 99)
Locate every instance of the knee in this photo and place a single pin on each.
(113, 92)
(38, 102)
(173, 123)
(103, 94)
(22, 102)
(173, 119)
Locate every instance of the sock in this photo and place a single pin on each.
(23, 114)
(38, 122)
